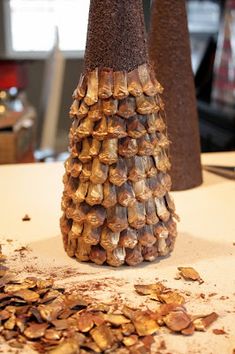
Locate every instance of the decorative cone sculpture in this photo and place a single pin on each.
(116, 203)
(169, 50)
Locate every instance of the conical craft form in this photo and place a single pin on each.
(169, 51)
(116, 203)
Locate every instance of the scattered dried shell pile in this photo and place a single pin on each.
(116, 203)
(54, 321)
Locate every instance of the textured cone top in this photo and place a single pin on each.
(169, 50)
(116, 203)
(116, 35)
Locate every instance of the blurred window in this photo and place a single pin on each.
(203, 16)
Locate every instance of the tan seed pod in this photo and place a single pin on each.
(141, 190)
(145, 147)
(158, 86)
(108, 153)
(150, 209)
(86, 172)
(91, 236)
(146, 237)
(171, 227)
(84, 155)
(76, 230)
(162, 162)
(162, 211)
(95, 147)
(125, 194)
(120, 90)
(163, 140)
(170, 202)
(103, 337)
(126, 107)
(99, 172)
(96, 216)
(127, 147)
(116, 127)
(150, 168)
(94, 194)
(151, 123)
(77, 212)
(97, 255)
(128, 238)
(159, 102)
(146, 82)
(156, 187)
(136, 215)
(146, 104)
(165, 180)
(75, 168)
(135, 128)
(105, 83)
(68, 165)
(95, 111)
(116, 257)
(82, 86)
(117, 218)
(35, 330)
(71, 246)
(134, 256)
(150, 253)
(81, 192)
(118, 172)
(65, 224)
(109, 239)
(133, 83)
(65, 202)
(155, 143)
(100, 131)
(75, 150)
(85, 128)
(109, 106)
(92, 88)
(74, 109)
(83, 250)
(177, 320)
(82, 110)
(71, 186)
(136, 170)
(110, 197)
(160, 124)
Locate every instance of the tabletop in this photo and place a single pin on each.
(206, 241)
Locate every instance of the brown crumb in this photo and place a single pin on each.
(26, 218)
(219, 331)
(162, 345)
(212, 294)
(202, 296)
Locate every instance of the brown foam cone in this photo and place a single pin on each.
(169, 51)
(116, 203)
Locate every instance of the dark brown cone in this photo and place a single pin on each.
(169, 51)
(116, 35)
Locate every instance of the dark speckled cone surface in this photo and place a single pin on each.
(169, 52)
(116, 35)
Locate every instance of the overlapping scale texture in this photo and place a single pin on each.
(116, 203)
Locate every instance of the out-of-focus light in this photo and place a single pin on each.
(2, 109)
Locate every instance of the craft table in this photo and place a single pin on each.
(206, 241)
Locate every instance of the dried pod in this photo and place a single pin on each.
(78, 212)
(82, 110)
(126, 108)
(190, 273)
(75, 168)
(150, 209)
(35, 330)
(150, 253)
(146, 82)
(69, 346)
(71, 186)
(117, 218)
(92, 88)
(177, 320)
(201, 323)
(99, 172)
(127, 147)
(81, 192)
(135, 128)
(103, 337)
(144, 324)
(75, 150)
(165, 180)
(159, 102)
(71, 246)
(171, 227)
(136, 169)
(84, 155)
(108, 154)
(125, 194)
(118, 172)
(160, 124)
(95, 147)
(170, 202)
(110, 106)
(52, 334)
(163, 141)
(105, 83)
(83, 250)
(116, 127)
(151, 123)
(95, 111)
(146, 105)
(155, 143)
(128, 238)
(85, 128)
(100, 129)
(96, 216)
(73, 112)
(136, 215)
(156, 187)
(65, 225)
(156, 83)
(146, 237)
(162, 162)
(162, 211)
(141, 190)
(120, 85)
(109, 192)
(91, 236)
(145, 147)
(116, 257)
(97, 255)
(133, 83)
(86, 172)
(109, 239)
(82, 86)
(171, 297)
(94, 194)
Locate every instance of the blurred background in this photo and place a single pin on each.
(42, 45)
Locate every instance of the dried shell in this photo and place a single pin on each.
(95, 147)
(201, 323)
(106, 84)
(146, 237)
(126, 108)
(126, 195)
(117, 218)
(116, 257)
(82, 110)
(84, 155)
(135, 128)
(116, 319)
(177, 320)
(147, 85)
(110, 198)
(162, 211)
(145, 104)
(118, 172)
(96, 216)
(97, 255)
(81, 192)
(133, 82)
(136, 215)
(83, 250)
(91, 235)
(190, 273)
(134, 256)
(82, 85)
(108, 154)
(95, 112)
(103, 337)
(85, 322)
(151, 216)
(109, 240)
(99, 171)
(128, 238)
(27, 295)
(70, 346)
(120, 90)
(171, 297)
(35, 330)
(127, 147)
(92, 88)
(110, 106)
(100, 129)
(136, 170)
(144, 324)
(116, 127)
